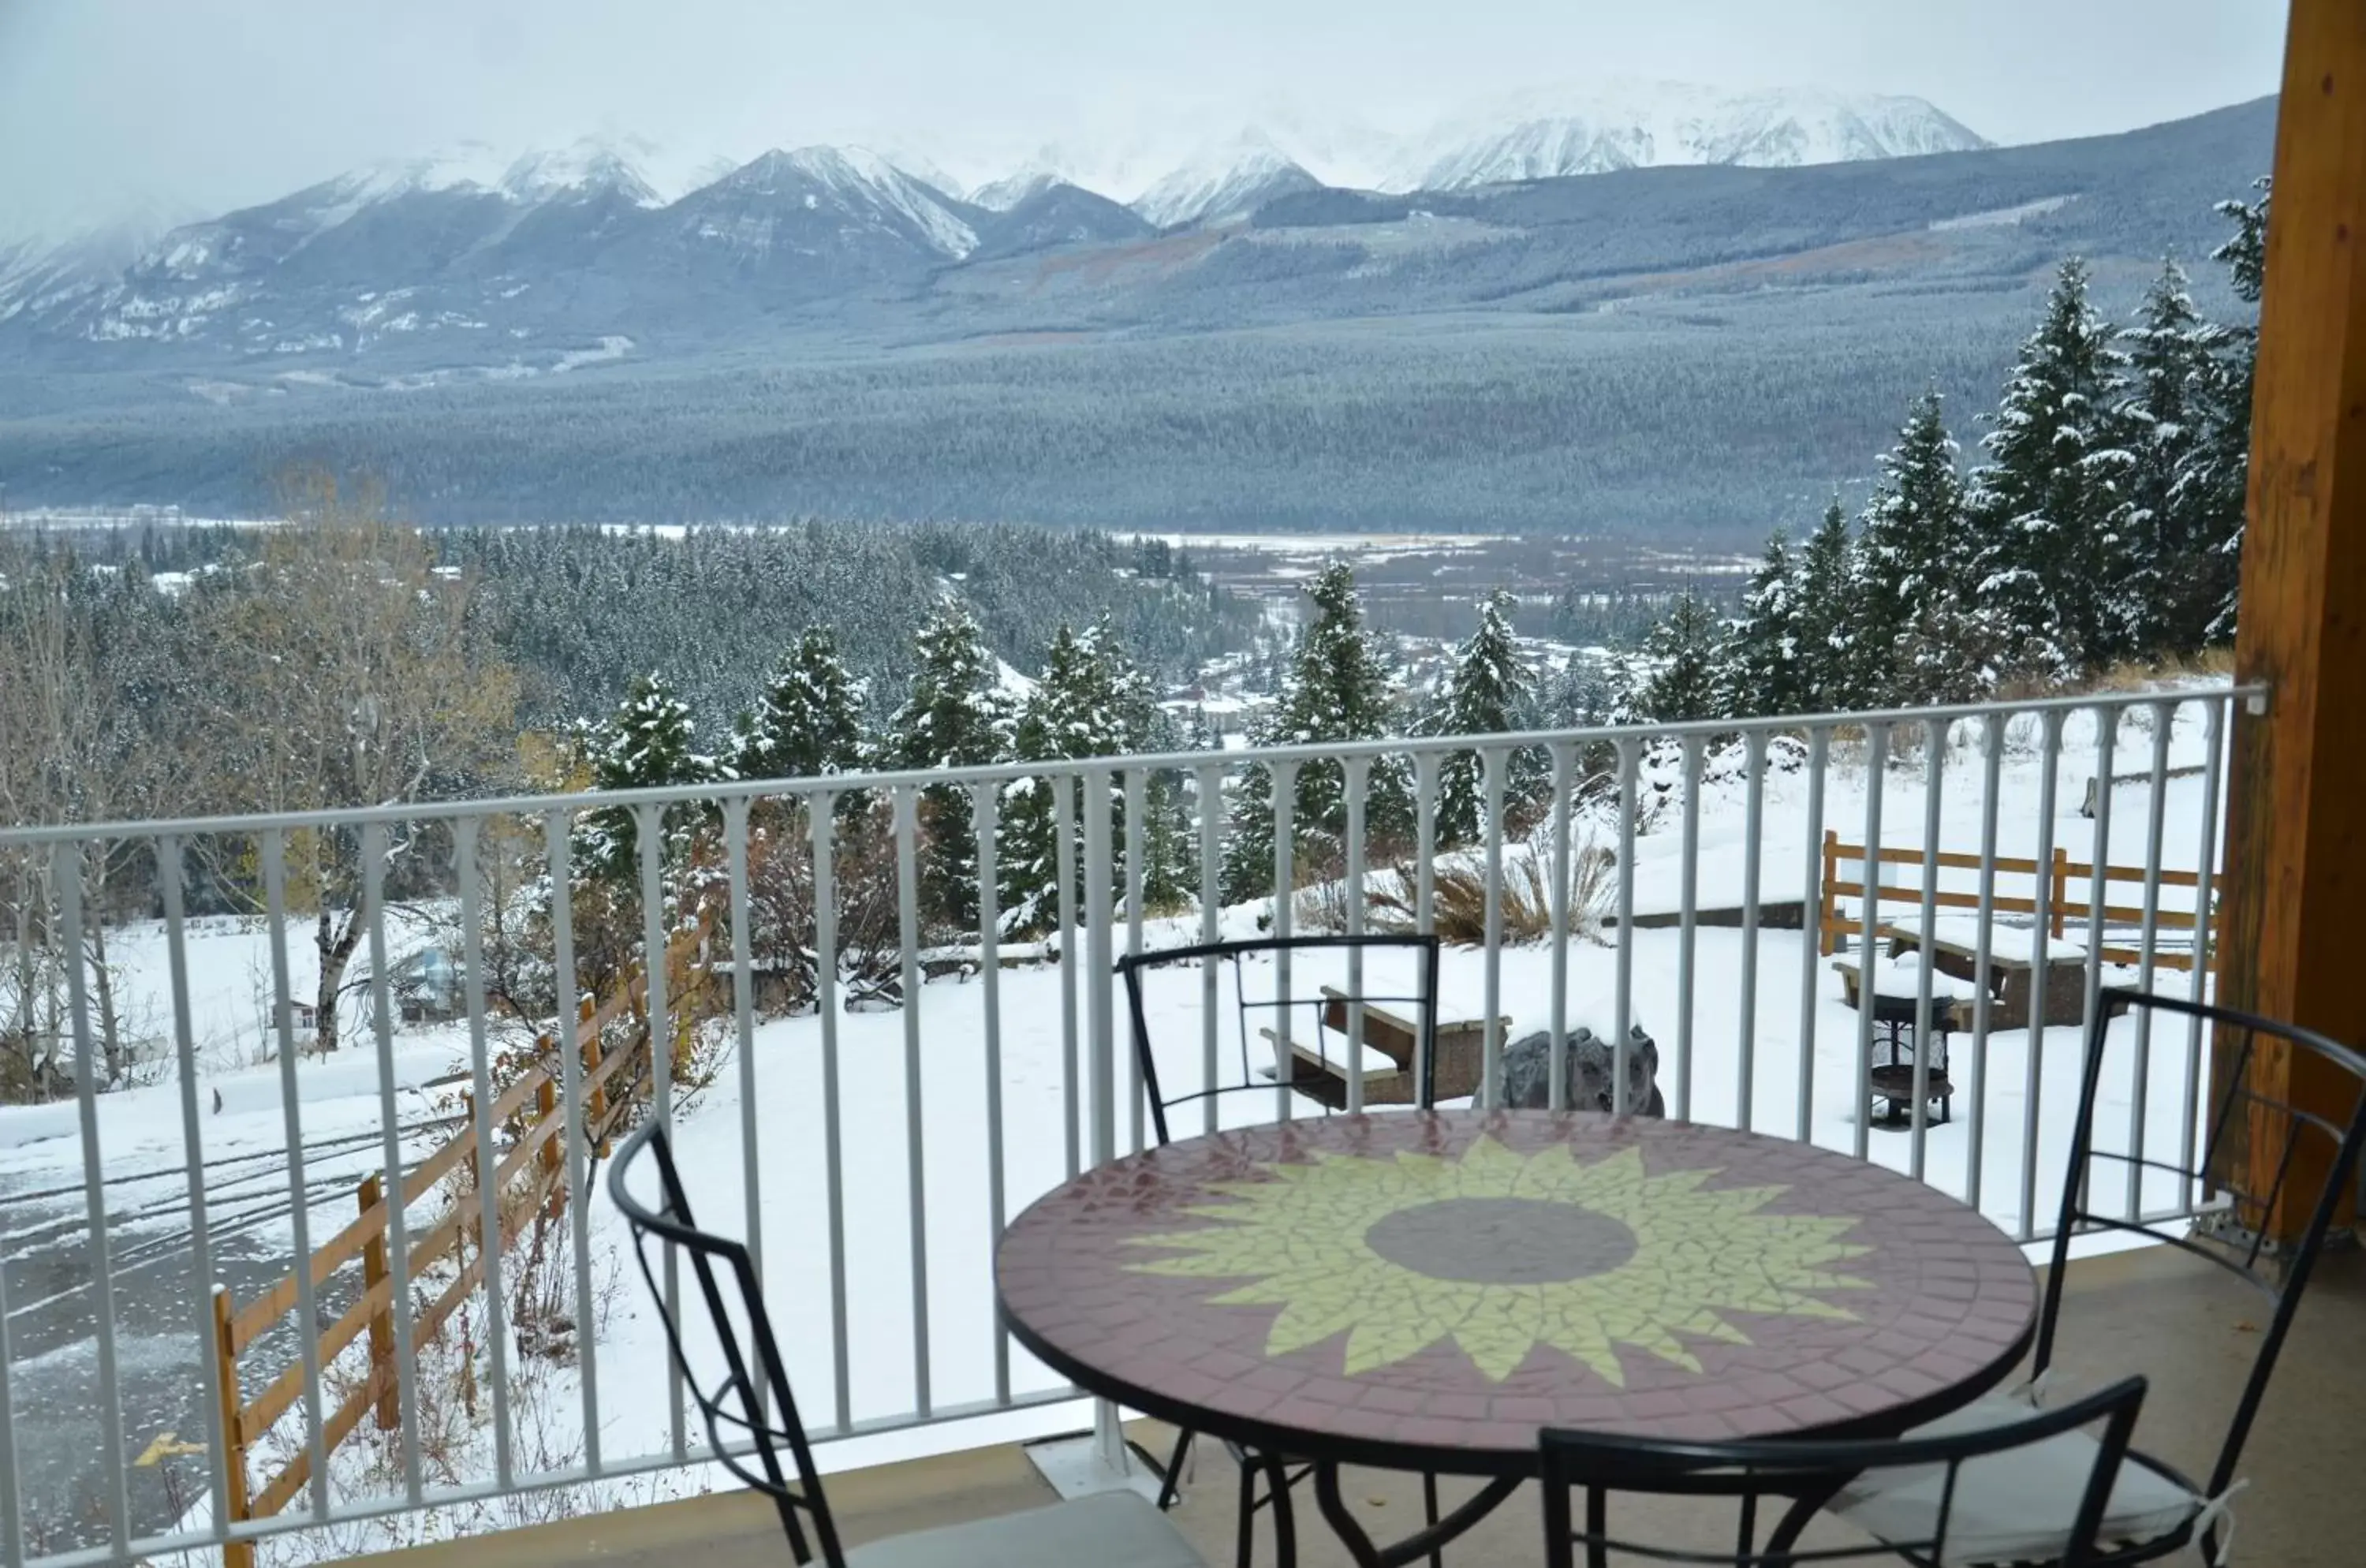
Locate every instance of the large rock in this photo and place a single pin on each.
(1527, 1068)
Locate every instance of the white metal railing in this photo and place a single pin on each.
(1612, 783)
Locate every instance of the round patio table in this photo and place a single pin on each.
(1426, 1290)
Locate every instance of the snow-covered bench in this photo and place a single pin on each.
(1321, 1067)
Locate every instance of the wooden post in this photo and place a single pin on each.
(2060, 890)
(381, 1323)
(1828, 911)
(595, 1107)
(237, 1553)
(2296, 883)
(545, 1105)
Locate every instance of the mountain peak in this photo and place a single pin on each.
(587, 164)
(1223, 181)
(1550, 132)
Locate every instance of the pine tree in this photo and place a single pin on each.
(2218, 470)
(1334, 688)
(1485, 693)
(2174, 587)
(649, 743)
(807, 723)
(1908, 568)
(1683, 654)
(2049, 501)
(1763, 670)
(1825, 619)
(953, 716)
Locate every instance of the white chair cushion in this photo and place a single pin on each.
(2015, 1506)
(1109, 1529)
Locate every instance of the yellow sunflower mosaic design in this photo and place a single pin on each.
(1501, 1252)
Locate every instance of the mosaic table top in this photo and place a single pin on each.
(1445, 1284)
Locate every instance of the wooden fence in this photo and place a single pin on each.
(537, 1154)
(2058, 874)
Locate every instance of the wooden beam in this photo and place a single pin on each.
(2296, 834)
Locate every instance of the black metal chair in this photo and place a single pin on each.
(2155, 1510)
(1328, 1010)
(750, 1414)
(1929, 1490)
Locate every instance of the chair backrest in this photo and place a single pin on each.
(749, 1413)
(1786, 1482)
(2280, 1129)
(1294, 1014)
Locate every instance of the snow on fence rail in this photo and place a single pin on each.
(890, 1147)
(533, 1098)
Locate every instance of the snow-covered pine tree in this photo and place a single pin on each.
(1336, 688)
(808, 721)
(1762, 672)
(1825, 621)
(1682, 656)
(2050, 560)
(1065, 716)
(2218, 469)
(649, 743)
(1909, 565)
(1486, 691)
(2175, 567)
(953, 716)
(1169, 871)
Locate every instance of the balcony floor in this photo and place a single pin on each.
(2188, 1327)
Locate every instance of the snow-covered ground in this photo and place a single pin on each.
(768, 1114)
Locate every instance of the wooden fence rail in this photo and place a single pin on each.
(2057, 873)
(537, 1149)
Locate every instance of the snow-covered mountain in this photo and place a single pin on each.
(1222, 183)
(1002, 195)
(846, 183)
(1556, 132)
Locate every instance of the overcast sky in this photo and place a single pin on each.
(204, 105)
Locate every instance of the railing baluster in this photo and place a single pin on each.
(986, 800)
(2040, 985)
(1877, 775)
(1099, 963)
(1285, 859)
(2107, 741)
(308, 1318)
(823, 827)
(1493, 760)
(1811, 904)
(12, 1505)
(1063, 834)
(1358, 778)
(1687, 926)
(649, 828)
(1934, 779)
(743, 1017)
(201, 1261)
(1211, 777)
(2206, 865)
(68, 866)
(907, 919)
(398, 1229)
(2164, 717)
(1983, 953)
(1137, 791)
(489, 1238)
(568, 1029)
(1425, 861)
(1753, 830)
(1564, 762)
(1629, 761)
